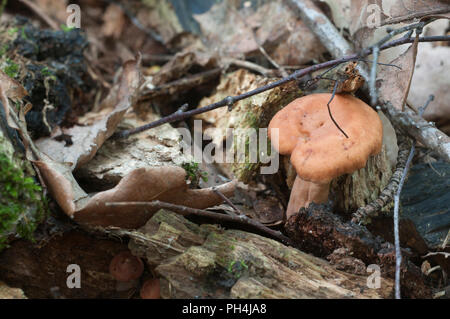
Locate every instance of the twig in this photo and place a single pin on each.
(152, 34)
(373, 77)
(421, 130)
(444, 244)
(44, 16)
(230, 100)
(249, 65)
(260, 47)
(426, 134)
(363, 214)
(336, 83)
(227, 200)
(181, 84)
(446, 255)
(183, 210)
(415, 15)
(398, 253)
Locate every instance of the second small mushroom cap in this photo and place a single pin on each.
(126, 267)
(319, 151)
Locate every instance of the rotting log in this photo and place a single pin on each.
(21, 198)
(210, 262)
(317, 230)
(40, 269)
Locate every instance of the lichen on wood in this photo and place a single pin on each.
(252, 113)
(210, 262)
(22, 204)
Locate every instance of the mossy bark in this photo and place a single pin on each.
(22, 204)
(209, 262)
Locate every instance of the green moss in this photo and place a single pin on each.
(194, 173)
(21, 204)
(251, 120)
(66, 28)
(11, 68)
(237, 268)
(13, 30)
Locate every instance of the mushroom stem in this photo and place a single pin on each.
(304, 193)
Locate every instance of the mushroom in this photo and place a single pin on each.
(125, 267)
(150, 289)
(319, 151)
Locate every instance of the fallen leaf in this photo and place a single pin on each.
(101, 124)
(10, 89)
(431, 77)
(167, 184)
(284, 36)
(395, 83)
(113, 21)
(182, 62)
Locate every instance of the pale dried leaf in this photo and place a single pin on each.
(167, 184)
(10, 89)
(88, 139)
(113, 21)
(431, 77)
(236, 32)
(395, 83)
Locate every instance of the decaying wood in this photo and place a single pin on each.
(209, 262)
(7, 292)
(364, 213)
(318, 230)
(40, 269)
(424, 132)
(352, 191)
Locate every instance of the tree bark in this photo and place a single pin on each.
(209, 262)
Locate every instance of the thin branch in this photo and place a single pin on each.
(183, 210)
(415, 15)
(363, 214)
(41, 14)
(373, 77)
(336, 83)
(230, 100)
(227, 200)
(398, 253)
(249, 65)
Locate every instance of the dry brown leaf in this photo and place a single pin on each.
(395, 83)
(88, 139)
(180, 64)
(431, 77)
(113, 21)
(59, 184)
(10, 89)
(283, 36)
(55, 9)
(167, 183)
(159, 146)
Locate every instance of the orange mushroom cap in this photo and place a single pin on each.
(150, 289)
(126, 267)
(319, 151)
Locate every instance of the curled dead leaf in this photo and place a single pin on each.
(89, 138)
(395, 83)
(167, 183)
